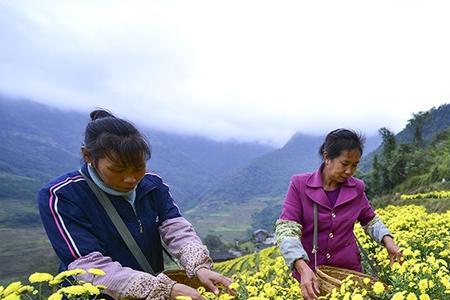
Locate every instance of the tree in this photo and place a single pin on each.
(398, 167)
(388, 142)
(213, 242)
(375, 177)
(417, 123)
(386, 158)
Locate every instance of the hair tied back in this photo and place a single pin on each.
(100, 114)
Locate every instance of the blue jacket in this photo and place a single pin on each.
(77, 224)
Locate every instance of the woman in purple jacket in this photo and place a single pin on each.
(341, 202)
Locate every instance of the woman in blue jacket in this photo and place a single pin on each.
(83, 235)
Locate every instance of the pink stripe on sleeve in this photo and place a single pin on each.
(53, 208)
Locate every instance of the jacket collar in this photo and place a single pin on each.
(314, 189)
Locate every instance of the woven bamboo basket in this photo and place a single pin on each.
(181, 277)
(332, 277)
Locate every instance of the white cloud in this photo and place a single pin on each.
(250, 70)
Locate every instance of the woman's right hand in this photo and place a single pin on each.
(309, 282)
(183, 290)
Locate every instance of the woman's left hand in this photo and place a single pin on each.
(211, 279)
(395, 255)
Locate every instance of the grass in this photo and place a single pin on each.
(24, 251)
(24, 246)
(247, 247)
(230, 221)
(16, 213)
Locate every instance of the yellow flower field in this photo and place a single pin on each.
(434, 194)
(45, 286)
(424, 239)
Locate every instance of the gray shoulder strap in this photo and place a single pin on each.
(120, 225)
(315, 234)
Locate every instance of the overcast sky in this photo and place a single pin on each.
(248, 70)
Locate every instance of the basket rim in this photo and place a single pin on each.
(325, 277)
(325, 268)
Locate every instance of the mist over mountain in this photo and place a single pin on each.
(269, 174)
(40, 142)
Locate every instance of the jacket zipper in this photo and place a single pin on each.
(141, 228)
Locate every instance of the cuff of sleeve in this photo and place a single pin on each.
(161, 288)
(194, 257)
(206, 266)
(292, 250)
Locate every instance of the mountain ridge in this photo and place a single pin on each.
(41, 142)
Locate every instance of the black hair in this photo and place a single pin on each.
(339, 140)
(115, 138)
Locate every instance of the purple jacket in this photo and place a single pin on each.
(336, 241)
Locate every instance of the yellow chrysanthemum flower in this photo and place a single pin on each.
(226, 297)
(68, 273)
(12, 297)
(92, 289)
(424, 297)
(357, 297)
(269, 290)
(74, 290)
(97, 272)
(183, 298)
(234, 286)
(378, 288)
(40, 277)
(55, 281)
(25, 289)
(399, 296)
(411, 296)
(423, 284)
(55, 296)
(12, 288)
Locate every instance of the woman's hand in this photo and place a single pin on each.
(210, 279)
(183, 290)
(395, 255)
(309, 282)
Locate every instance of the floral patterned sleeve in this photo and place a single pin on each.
(288, 235)
(185, 245)
(123, 282)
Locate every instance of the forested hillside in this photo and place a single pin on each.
(428, 124)
(412, 163)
